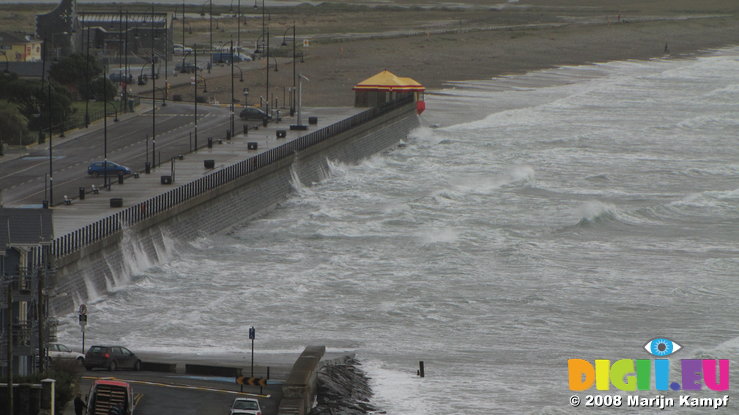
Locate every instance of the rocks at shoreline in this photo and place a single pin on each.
(343, 388)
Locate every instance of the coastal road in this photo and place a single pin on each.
(178, 394)
(23, 180)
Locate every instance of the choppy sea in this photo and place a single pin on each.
(576, 212)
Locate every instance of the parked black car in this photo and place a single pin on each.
(252, 113)
(111, 358)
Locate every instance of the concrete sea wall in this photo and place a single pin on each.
(88, 266)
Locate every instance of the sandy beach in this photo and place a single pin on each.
(532, 35)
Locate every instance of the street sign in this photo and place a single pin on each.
(251, 381)
(83, 316)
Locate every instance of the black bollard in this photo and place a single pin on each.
(147, 167)
(421, 372)
(82, 193)
(210, 142)
(120, 178)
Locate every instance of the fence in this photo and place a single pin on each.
(75, 240)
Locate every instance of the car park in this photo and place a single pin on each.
(253, 113)
(60, 351)
(111, 358)
(99, 167)
(245, 406)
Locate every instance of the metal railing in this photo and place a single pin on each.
(114, 223)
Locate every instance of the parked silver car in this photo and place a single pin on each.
(60, 351)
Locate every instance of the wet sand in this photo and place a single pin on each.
(569, 34)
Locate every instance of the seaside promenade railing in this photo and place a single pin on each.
(114, 223)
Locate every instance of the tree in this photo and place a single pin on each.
(96, 89)
(60, 110)
(72, 71)
(32, 102)
(13, 124)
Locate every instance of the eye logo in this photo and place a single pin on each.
(661, 347)
(648, 374)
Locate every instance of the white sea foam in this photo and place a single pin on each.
(581, 200)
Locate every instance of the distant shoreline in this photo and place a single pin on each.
(434, 60)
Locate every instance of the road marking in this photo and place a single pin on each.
(177, 386)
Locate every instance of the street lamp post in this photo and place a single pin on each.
(232, 89)
(153, 97)
(106, 183)
(238, 26)
(125, 72)
(51, 132)
(292, 91)
(166, 60)
(183, 26)
(211, 36)
(87, 77)
(195, 52)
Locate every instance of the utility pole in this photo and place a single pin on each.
(41, 316)
(153, 97)
(183, 28)
(195, 52)
(166, 60)
(105, 128)
(10, 347)
(238, 26)
(87, 78)
(232, 88)
(125, 56)
(51, 132)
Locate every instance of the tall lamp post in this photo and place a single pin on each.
(87, 77)
(195, 52)
(153, 97)
(232, 89)
(126, 76)
(183, 25)
(211, 36)
(166, 61)
(238, 26)
(105, 128)
(292, 91)
(50, 115)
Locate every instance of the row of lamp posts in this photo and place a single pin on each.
(233, 51)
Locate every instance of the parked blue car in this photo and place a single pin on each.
(98, 168)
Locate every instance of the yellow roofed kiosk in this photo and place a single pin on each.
(385, 87)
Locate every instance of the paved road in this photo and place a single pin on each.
(179, 394)
(23, 180)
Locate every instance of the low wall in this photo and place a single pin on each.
(299, 391)
(92, 265)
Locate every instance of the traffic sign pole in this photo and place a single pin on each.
(252, 336)
(83, 323)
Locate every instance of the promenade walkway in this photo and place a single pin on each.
(224, 153)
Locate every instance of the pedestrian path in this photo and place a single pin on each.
(95, 206)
